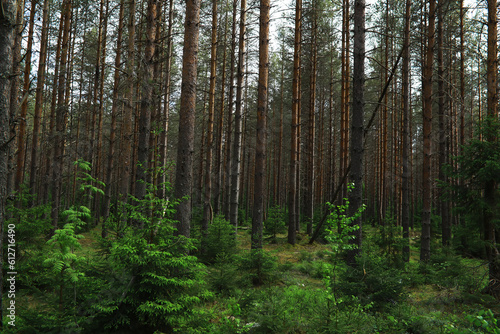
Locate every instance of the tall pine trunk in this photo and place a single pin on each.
(61, 116)
(405, 205)
(185, 147)
(236, 157)
(261, 136)
(7, 24)
(425, 250)
(357, 128)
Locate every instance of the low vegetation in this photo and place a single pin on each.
(150, 281)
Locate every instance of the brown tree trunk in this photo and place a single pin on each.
(7, 24)
(146, 104)
(21, 140)
(14, 93)
(220, 129)
(344, 95)
(405, 205)
(261, 136)
(357, 129)
(207, 196)
(490, 191)
(185, 147)
(166, 108)
(114, 113)
(128, 112)
(443, 131)
(425, 250)
(292, 198)
(61, 116)
(42, 64)
(309, 198)
(230, 105)
(236, 157)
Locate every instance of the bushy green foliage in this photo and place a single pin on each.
(260, 266)
(163, 283)
(275, 222)
(373, 280)
(220, 240)
(484, 321)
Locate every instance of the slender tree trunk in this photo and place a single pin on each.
(309, 200)
(405, 205)
(7, 24)
(42, 64)
(127, 132)
(14, 92)
(425, 250)
(207, 196)
(443, 131)
(185, 147)
(146, 102)
(490, 191)
(236, 157)
(292, 198)
(230, 105)
(166, 108)
(357, 129)
(220, 128)
(21, 140)
(344, 95)
(261, 137)
(61, 116)
(114, 113)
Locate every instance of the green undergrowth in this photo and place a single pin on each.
(140, 282)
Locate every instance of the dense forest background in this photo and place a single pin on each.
(173, 135)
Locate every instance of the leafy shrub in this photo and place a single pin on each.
(162, 287)
(275, 222)
(373, 281)
(220, 240)
(223, 274)
(484, 321)
(260, 267)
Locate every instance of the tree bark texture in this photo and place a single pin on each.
(425, 248)
(185, 149)
(357, 129)
(261, 137)
(7, 24)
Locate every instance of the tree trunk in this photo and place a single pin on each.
(185, 147)
(425, 250)
(146, 103)
(292, 198)
(42, 63)
(61, 117)
(230, 105)
(127, 131)
(344, 96)
(261, 136)
(357, 129)
(14, 92)
(21, 140)
(443, 131)
(166, 108)
(236, 157)
(207, 196)
(490, 191)
(114, 113)
(7, 24)
(405, 205)
(309, 198)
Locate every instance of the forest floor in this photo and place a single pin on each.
(307, 288)
(443, 296)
